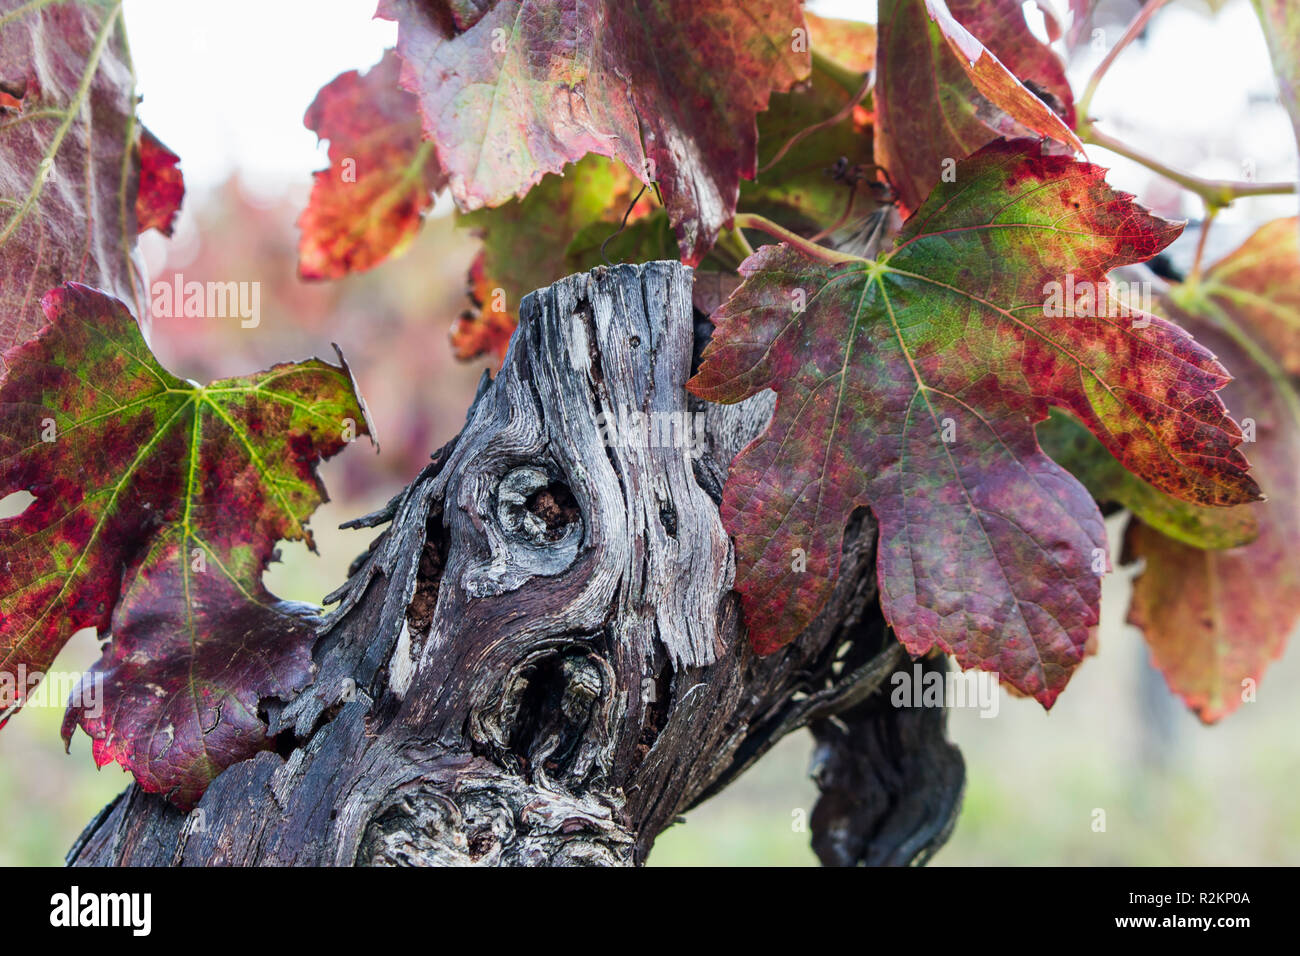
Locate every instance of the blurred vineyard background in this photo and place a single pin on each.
(1198, 93)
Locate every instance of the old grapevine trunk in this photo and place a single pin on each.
(540, 660)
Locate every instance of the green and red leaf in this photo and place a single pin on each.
(486, 326)
(912, 385)
(1215, 620)
(370, 203)
(67, 159)
(175, 697)
(954, 77)
(850, 43)
(1070, 444)
(514, 89)
(180, 491)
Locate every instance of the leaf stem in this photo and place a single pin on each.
(1195, 275)
(733, 244)
(1134, 29)
(1216, 193)
(748, 220)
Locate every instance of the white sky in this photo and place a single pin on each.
(226, 84)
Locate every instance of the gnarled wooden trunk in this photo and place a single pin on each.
(540, 661)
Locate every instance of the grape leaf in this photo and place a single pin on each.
(382, 177)
(562, 223)
(648, 239)
(513, 90)
(941, 93)
(560, 226)
(806, 134)
(525, 243)
(524, 240)
(850, 43)
(1071, 445)
(1216, 619)
(179, 685)
(162, 187)
(67, 160)
(178, 490)
(1281, 22)
(911, 385)
(484, 328)
(1257, 284)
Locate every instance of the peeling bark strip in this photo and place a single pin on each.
(540, 661)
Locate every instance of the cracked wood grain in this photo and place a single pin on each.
(540, 660)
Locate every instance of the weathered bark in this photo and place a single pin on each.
(540, 660)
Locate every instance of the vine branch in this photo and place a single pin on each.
(748, 220)
(1134, 30)
(1216, 193)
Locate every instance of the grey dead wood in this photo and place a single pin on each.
(540, 660)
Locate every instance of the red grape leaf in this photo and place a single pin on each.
(177, 489)
(1216, 619)
(941, 93)
(67, 142)
(162, 187)
(513, 90)
(175, 696)
(371, 201)
(911, 385)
